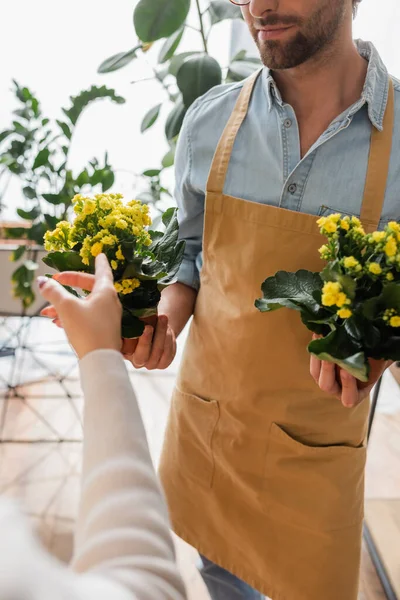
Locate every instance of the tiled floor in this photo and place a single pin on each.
(45, 476)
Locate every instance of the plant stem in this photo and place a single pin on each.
(202, 31)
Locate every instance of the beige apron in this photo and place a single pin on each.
(263, 472)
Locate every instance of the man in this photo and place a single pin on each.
(262, 468)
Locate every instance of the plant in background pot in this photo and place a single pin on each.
(161, 26)
(36, 150)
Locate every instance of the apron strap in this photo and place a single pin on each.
(378, 168)
(222, 156)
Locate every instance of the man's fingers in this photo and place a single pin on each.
(315, 368)
(84, 281)
(169, 351)
(350, 395)
(159, 343)
(143, 348)
(327, 378)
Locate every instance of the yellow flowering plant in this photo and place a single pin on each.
(143, 261)
(353, 304)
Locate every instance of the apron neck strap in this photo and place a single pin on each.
(378, 168)
(222, 156)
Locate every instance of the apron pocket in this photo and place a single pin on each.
(320, 488)
(190, 432)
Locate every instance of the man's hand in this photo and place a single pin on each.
(340, 383)
(154, 349)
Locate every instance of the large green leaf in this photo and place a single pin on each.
(196, 76)
(174, 120)
(290, 290)
(170, 45)
(221, 10)
(156, 19)
(118, 61)
(150, 118)
(65, 261)
(178, 60)
(341, 349)
(55, 198)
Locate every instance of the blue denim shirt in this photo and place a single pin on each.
(266, 165)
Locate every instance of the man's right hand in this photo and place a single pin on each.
(154, 349)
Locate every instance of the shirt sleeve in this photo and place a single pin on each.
(190, 201)
(123, 530)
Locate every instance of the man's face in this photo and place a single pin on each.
(290, 32)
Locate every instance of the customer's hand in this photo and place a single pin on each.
(155, 349)
(337, 382)
(91, 323)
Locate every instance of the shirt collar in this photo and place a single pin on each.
(374, 94)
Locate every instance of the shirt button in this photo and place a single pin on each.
(287, 123)
(292, 188)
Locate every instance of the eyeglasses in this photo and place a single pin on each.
(240, 2)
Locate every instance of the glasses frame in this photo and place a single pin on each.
(240, 3)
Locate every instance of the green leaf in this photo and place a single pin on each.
(389, 298)
(290, 290)
(45, 122)
(54, 198)
(51, 221)
(156, 19)
(151, 173)
(65, 261)
(15, 233)
(170, 46)
(65, 129)
(241, 69)
(196, 76)
(174, 120)
(36, 233)
(150, 118)
(18, 253)
(341, 349)
(178, 60)
(107, 180)
(168, 159)
(83, 178)
(29, 192)
(41, 159)
(118, 61)
(29, 215)
(4, 134)
(80, 102)
(131, 326)
(221, 10)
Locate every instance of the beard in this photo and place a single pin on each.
(313, 36)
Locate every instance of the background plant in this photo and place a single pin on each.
(160, 26)
(36, 150)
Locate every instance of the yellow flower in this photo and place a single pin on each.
(330, 292)
(330, 227)
(89, 207)
(378, 236)
(393, 226)
(324, 252)
(341, 300)
(344, 313)
(390, 247)
(127, 286)
(97, 249)
(359, 230)
(122, 224)
(390, 276)
(109, 240)
(395, 321)
(356, 221)
(118, 287)
(375, 268)
(105, 204)
(114, 265)
(344, 224)
(350, 262)
(119, 254)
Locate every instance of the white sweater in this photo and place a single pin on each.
(123, 547)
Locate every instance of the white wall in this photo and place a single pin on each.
(56, 47)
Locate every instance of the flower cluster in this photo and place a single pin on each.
(103, 224)
(374, 256)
